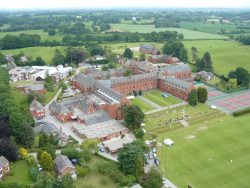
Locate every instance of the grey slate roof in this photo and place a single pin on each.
(62, 162)
(133, 78)
(177, 68)
(180, 84)
(58, 108)
(94, 118)
(83, 105)
(3, 161)
(49, 128)
(108, 94)
(35, 105)
(85, 80)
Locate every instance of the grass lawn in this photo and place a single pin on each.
(144, 106)
(45, 52)
(21, 173)
(20, 98)
(94, 179)
(188, 34)
(202, 153)
(50, 95)
(44, 35)
(226, 55)
(155, 96)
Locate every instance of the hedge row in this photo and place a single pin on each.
(241, 112)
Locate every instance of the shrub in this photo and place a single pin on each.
(34, 172)
(241, 112)
(23, 152)
(31, 161)
(82, 171)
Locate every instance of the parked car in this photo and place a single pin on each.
(150, 155)
(155, 155)
(157, 162)
(74, 161)
(102, 149)
(154, 149)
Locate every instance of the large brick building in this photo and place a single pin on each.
(37, 110)
(149, 49)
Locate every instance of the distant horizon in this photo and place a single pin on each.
(121, 4)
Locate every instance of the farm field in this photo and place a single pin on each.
(144, 106)
(202, 153)
(20, 173)
(188, 34)
(207, 27)
(155, 96)
(45, 52)
(44, 35)
(226, 55)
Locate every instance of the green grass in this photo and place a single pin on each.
(208, 27)
(44, 35)
(94, 179)
(20, 98)
(45, 52)
(49, 95)
(144, 106)
(156, 97)
(188, 34)
(226, 55)
(21, 173)
(205, 160)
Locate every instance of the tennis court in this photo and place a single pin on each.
(230, 103)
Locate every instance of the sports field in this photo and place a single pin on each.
(212, 152)
(45, 52)
(226, 55)
(156, 97)
(44, 35)
(188, 34)
(144, 106)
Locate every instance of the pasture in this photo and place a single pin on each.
(38, 51)
(208, 27)
(226, 55)
(44, 35)
(188, 34)
(156, 97)
(211, 152)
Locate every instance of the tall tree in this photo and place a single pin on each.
(177, 49)
(194, 54)
(202, 94)
(208, 62)
(46, 162)
(152, 179)
(2, 59)
(8, 149)
(192, 98)
(58, 58)
(133, 116)
(242, 75)
(131, 156)
(128, 53)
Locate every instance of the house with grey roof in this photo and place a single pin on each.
(64, 166)
(4, 167)
(37, 110)
(93, 118)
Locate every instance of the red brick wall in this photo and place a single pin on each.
(129, 87)
(181, 94)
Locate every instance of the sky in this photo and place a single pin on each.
(52, 4)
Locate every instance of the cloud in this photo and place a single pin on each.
(29, 4)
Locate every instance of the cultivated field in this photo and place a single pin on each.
(188, 34)
(211, 152)
(226, 55)
(156, 97)
(45, 52)
(44, 35)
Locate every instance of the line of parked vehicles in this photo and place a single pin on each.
(152, 155)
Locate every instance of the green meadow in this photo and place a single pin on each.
(188, 34)
(39, 51)
(226, 55)
(44, 35)
(211, 152)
